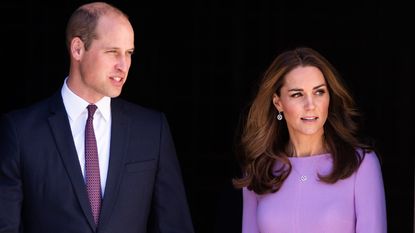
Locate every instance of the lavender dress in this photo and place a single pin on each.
(306, 205)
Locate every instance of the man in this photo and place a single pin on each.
(84, 161)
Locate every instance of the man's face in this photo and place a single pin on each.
(104, 66)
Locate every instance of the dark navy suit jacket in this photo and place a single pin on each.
(41, 185)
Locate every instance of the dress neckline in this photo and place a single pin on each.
(310, 157)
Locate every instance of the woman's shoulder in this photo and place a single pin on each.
(362, 153)
(369, 160)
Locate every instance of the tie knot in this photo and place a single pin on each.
(91, 110)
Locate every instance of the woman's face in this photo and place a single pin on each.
(304, 100)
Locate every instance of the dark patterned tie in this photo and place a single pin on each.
(93, 184)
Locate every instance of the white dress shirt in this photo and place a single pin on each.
(77, 111)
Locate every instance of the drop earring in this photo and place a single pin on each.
(279, 116)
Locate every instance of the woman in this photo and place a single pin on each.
(304, 168)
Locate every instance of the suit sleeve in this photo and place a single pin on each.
(11, 194)
(370, 197)
(172, 213)
(249, 216)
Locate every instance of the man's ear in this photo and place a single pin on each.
(77, 48)
(277, 103)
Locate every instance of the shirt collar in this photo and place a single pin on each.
(75, 105)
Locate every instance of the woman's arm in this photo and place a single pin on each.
(249, 216)
(370, 197)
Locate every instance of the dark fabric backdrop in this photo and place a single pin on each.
(200, 62)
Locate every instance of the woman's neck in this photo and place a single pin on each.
(306, 146)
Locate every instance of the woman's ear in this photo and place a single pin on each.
(277, 102)
(77, 48)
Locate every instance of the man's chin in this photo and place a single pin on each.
(114, 94)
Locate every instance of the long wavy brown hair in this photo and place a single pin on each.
(264, 139)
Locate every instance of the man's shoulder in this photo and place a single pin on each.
(135, 110)
(37, 107)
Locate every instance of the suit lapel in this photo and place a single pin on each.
(59, 124)
(119, 142)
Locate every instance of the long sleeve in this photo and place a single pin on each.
(11, 193)
(370, 197)
(171, 209)
(249, 214)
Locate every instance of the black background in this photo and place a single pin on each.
(200, 62)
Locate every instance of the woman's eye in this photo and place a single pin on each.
(320, 92)
(296, 95)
